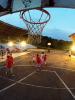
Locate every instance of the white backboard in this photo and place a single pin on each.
(25, 4)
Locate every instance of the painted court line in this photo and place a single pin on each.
(16, 82)
(63, 68)
(49, 71)
(68, 89)
(37, 86)
(15, 61)
(48, 87)
(49, 67)
(26, 76)
(24, 65)
(19, 60)
(7, 87)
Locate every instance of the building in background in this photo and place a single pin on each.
(72, 48)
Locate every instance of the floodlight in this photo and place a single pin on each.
(23, 43)
(10, 44)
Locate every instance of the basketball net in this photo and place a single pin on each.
(34, 39)
(35, 27)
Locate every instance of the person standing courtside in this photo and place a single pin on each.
(9, 64)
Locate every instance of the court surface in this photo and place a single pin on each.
(50, 83)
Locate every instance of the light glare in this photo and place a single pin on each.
(10, 44)
(73, 48)
(23, 43)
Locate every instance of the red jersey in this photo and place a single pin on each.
(38, 60)
(9, 61)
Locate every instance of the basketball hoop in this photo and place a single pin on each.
(35, 25)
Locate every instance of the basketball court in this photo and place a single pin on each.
(51, 83)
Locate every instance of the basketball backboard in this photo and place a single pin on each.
(19, 5)
(5, 6)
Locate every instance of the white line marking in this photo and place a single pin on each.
(49, 71)
(16, 82)
(7, 87)
(62, 68)
(65, 85)
(19, 60)
(14, 63)
(50, 67)
(25, 65)
(26, 76)
(37, 86)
